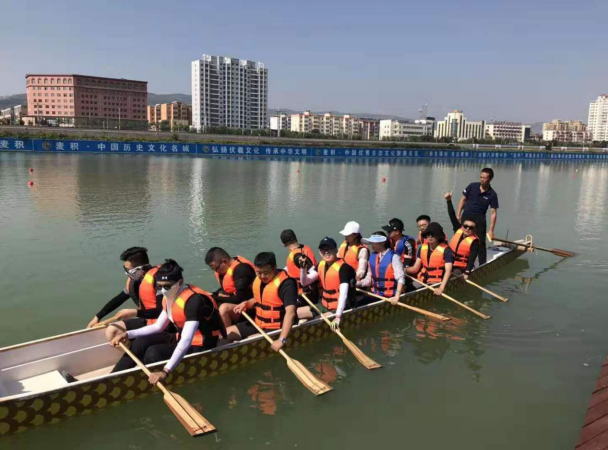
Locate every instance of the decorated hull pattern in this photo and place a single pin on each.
(22, 414)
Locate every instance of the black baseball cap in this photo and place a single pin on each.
(393, 225)
(328, 243)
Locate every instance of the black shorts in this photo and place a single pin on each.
(135, 323)
(246, 329)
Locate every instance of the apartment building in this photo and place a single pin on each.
(566, 131)
(402, 129)
(280, 122)
(510, 131)
(598, 118)
(175, 114)
(229, 92)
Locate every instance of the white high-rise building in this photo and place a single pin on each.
(229, 92)
(598, 118)
(456, 126)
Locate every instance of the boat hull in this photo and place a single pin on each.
(27, 412)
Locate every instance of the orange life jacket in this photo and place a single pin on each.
(178, 314)
(292, 270)
(227, 281)
(268, 304)
(383, 274)
(329, 281)
(432, 270)
(462, 248)
(146, 292)
(350, 254)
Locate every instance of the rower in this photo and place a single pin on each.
(235, 276)
(434, 260)
(475, 201)
(385, 274)
(402, 244)
(422, 222)
(299, 256)
(465, 243)
(141, 288)
(352, 249)
(337, 282)
(194, 313)
(275, 295)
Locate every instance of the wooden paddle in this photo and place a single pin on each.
(105, 323)
(453, 300)
(412, 308)
(312, 383)
(486, 290)
(190, 418)
(555, 251)
(367, 362)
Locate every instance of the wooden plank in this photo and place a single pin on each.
(599, 442)
(593, 430)
(598, 397)
(602, 382)
(596, 412)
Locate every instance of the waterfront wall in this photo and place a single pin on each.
(263, 151)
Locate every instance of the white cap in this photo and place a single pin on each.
(374, 239)
(350, 228)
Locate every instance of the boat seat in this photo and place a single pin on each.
(45, 382)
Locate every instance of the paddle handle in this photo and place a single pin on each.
(142, 366)
(312, 305)
(487, 291)
(106, 322)
(263, 333)
(411, 308)
(462, 305)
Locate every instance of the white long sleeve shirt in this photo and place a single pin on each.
(312, 276)
(185, 340)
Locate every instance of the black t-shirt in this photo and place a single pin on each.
(243, 277)
(478, 202)
(199, 308)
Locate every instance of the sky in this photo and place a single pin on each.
(520, 60)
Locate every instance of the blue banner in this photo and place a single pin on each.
(218, 150)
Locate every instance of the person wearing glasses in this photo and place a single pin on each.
(141, 288)
(464, 243)
(190, 310)
(337, 281)
(275, 297)
(422, 222)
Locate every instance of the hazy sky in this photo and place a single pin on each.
(529, 60)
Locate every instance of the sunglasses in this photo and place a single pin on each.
(326, 251)
(468, 227)
(133, 270)
(168, 288)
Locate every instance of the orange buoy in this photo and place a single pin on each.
(30, 183)
(384, 179)
(298, 171)
(31, 170)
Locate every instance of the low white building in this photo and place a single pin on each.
(511, 131)
(456, 126)
(566, 131)
(598, 118)
(280, 122)
(402, 129)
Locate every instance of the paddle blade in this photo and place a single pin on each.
(312, 383)
(190, 418)
(563, 253)
(367, 362)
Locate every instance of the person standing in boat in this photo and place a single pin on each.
(235, 276)
(141, 288)
(434, 260)
(465, 243)
(385, 272)
(476, 199)
(193, 312)
(299, 256)
(337, 282)
(275, 297)
(352, 249)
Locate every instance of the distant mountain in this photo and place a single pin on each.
(153, 99)
(8, 101)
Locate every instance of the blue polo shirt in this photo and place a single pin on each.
(478, 202)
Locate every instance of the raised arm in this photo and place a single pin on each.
(451, 212)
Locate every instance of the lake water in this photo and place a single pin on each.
(522, 379)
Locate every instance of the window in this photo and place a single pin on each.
(46, 80)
